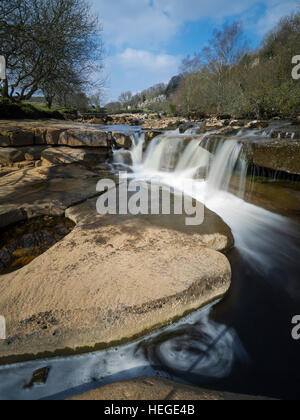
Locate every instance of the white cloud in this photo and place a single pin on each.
(145, 60)
(148, 23)
(134, 22)
(136, 70)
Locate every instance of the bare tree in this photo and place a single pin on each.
(125, 97)
(47, 43)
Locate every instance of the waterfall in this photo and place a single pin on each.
(134, 156)
(228, 159)
(171, 158)
(186, 157)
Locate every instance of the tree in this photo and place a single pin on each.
(125, 97)
(48, 43)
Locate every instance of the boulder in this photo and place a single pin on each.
(122, 141)
(112, 279)
(157, 389)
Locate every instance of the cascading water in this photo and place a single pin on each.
(172, 157)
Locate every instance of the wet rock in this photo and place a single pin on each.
(291, 132)
(229, 131)
(237, 123)
(279, 155)
(23, 242)
(151, 135)
(121, 140)
(257, 125)
(186, 126)
(39, 378)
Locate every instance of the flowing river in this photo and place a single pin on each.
(241, 344)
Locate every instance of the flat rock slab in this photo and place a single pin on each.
(44, 191)
(59, 133)
(113, 278)
(67, 155)
(279, 155)
(157, 389)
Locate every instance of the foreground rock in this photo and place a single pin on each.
(157, 389)
(111, 279)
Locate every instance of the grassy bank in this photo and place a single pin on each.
(21, 110)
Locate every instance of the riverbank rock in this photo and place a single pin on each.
(278, 155)
(44, 191)
(68, 155)
(157, 389)
(9, 155)
(59, 133)
(111, 279)
(85, 138)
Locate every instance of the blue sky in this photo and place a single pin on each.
(145, 40)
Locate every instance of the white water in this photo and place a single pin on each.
(261, 236)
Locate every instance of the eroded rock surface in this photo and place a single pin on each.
(157, 389)
(112, 278)
(44, 191)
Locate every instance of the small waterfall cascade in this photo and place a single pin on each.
(185, 156)
(228, 160)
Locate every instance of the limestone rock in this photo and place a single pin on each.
(122, 141)
(111, 279)
(67, 155)
(279, 155)
(34, 153)
(10, 155)
(43, 191)
(84, 138)
(157, 389)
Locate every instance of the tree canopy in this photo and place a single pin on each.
(52, 46)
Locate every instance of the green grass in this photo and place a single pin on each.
(26, 110)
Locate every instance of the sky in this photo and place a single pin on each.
(146, 40)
